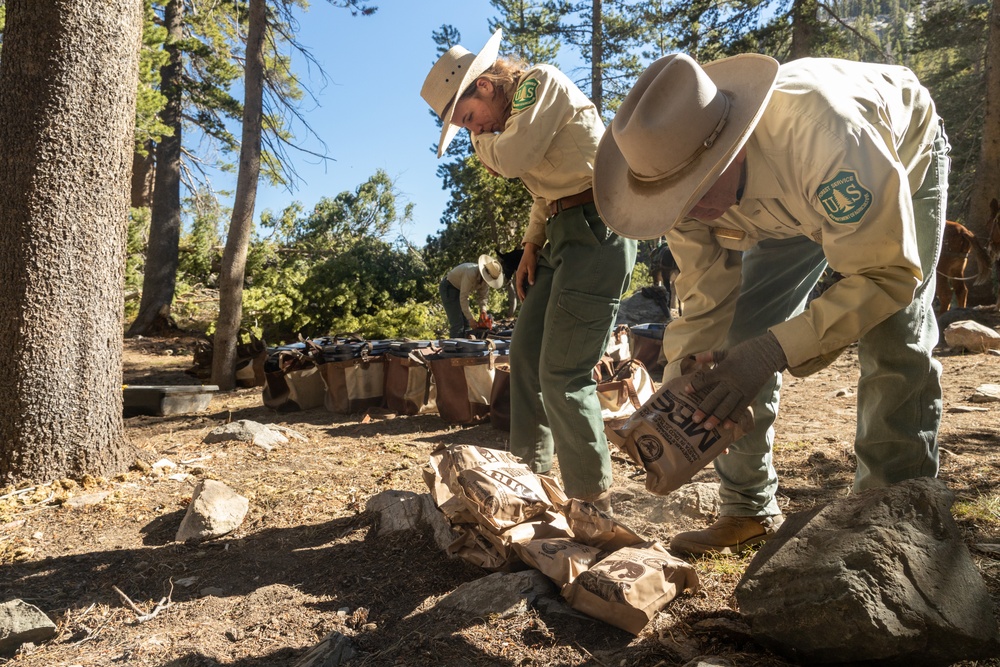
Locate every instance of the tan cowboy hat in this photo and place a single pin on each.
(451, 75)
(491, 271)
(678, 129)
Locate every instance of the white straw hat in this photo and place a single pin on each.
(491, 270)
(451, 75)
(678, 129)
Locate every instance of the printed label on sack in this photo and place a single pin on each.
(684, 434)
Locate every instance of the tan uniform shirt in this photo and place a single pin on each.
(467, 278)
(549, 142)
(835, 157)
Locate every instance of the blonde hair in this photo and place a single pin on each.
(503, 74)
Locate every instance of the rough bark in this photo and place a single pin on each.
(803, 28)
(986, 185)
(234, 256)
(159, 278)
(69, 73)
(597, 56)
(142, 178)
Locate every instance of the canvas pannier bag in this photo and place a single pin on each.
(647, 346)
(463, 374)
(354, 385)
(292, 380)
(409, 384)
(619, 348)
(622, 388)
(500, 398)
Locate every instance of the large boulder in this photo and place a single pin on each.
(880, 577)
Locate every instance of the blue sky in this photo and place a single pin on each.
(370, 114)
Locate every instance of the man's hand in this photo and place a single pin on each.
(526, 270)
(738, 375)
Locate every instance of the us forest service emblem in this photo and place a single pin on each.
(525, 95)
(845, 198)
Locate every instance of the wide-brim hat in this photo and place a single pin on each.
(451, 75)
(491, 270)
(675, 133)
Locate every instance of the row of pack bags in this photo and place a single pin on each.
(465, 381)
(508, 518)
(451, 377)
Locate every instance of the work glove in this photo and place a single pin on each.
(738, 375)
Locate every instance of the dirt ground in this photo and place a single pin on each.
(307, 561)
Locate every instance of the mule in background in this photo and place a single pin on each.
(956, 246)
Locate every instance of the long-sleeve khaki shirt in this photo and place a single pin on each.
(836, 156)
(549, 142)
(467, 278)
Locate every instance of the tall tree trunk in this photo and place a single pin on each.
(986, 185)
(803, 28)
(69, 75)
(597, 56)
(142, 177)
(159, 278)
(234, 257)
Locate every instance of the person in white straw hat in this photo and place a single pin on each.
(464, 281)
(761, 176)
(534, 124)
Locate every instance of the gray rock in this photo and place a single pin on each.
(334, 650)
(708, 661)
(20, 623)
(503, 594)
(971, 336)
(640, 309)
(694, 501)
(401, 511)
(264, 436)
(724, 627)
(86, 500)
(880, 577)
(986, 393)
(215, 510)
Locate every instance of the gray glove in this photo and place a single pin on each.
(738, 375)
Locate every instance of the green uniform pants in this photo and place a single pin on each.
(561, 333)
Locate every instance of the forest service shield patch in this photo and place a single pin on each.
(845, 198)
(525, 95)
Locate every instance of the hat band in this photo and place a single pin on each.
(704, 146)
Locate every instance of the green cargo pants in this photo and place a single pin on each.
(561, 333)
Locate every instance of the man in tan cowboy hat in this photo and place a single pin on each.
(461, 283)
(534, 124)
(760, 176)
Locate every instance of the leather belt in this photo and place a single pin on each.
(579, 199)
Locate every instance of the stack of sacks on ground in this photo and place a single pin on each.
(510, 518)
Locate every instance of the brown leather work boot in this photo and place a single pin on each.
(728, 535)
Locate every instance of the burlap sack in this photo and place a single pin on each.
(630, 585)
(560, 559)
(663, 439)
